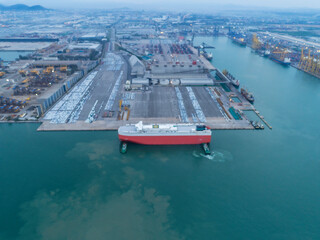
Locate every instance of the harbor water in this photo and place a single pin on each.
(254, 185)
(9, 56)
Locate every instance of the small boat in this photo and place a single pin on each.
(257, 125)
(123, 147)
(206, 148)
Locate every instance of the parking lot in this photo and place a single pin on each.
(96, 93)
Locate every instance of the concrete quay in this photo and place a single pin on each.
(106, 125)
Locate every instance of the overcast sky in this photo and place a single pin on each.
(170, 4)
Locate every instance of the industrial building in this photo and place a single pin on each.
(57, 91)
(93, 37)
(137, 67)
(41, 64)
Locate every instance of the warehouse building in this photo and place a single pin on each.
(56, 92)
(137, 67)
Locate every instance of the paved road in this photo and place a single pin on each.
(295, 40)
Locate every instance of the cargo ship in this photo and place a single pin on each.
(165, 134)
(249, 96)
(239, 41)
(208, 56)
(285, 61)
(266, 53)
(235, 82)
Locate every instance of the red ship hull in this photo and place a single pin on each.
(166, 140)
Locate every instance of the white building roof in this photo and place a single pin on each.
(133, 60)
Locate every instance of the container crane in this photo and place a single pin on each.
(202, 47)
(256, 43)
(310, 64)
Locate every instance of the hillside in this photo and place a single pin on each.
(22, 7)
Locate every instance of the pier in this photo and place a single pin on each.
(262, 119)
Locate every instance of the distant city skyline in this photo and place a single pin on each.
(180, 5)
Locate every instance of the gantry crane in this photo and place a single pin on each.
(202, 47)
(282, 53)
(310, 63)
(256, 43)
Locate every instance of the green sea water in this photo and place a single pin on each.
(256, 185)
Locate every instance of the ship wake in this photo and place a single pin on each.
(215, 156)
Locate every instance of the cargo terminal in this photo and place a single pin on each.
(154, 81)
(120, 70)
